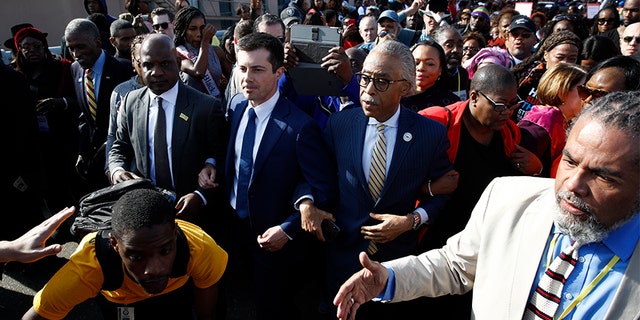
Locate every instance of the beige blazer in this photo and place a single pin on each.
(502, 245)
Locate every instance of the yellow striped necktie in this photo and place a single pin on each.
(377, 173)
(378, 169)
(91, 93)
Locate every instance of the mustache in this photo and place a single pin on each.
(365, 98)
(574, 200)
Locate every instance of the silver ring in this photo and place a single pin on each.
(518, 165)
(352, 301)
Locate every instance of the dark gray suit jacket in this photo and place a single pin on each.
(199, 133)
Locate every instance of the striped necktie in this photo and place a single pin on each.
(377, 173)
(91, 93)
(545, 300)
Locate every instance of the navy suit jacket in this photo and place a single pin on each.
(93, 133)
(199, 133)
(291, 161)
(420, 154)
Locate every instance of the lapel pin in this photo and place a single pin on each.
(407, 136)
(184, 117)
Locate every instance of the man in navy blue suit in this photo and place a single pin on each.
(82, 38)
(276, 160)
(383, 222)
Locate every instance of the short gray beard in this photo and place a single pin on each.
(582, 231)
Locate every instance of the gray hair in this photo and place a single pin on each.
(403, 53)
(82, 26)
(617, 110)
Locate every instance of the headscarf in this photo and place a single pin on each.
(495, 55)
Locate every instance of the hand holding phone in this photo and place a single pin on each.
(330, 230)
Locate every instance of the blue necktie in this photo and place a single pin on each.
(246, 166)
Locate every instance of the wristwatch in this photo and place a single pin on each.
(416, 220)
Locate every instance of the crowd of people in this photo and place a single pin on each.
(467, 148)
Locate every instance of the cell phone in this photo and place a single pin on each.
(330, 229)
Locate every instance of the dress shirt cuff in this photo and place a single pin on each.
(424, 217)
(389, 290)
(204, 200)
(211, 161)
(296, 205)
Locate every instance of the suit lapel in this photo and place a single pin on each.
(531, 244)
(356, 144)
(276, 125)
(402, 144)
(142, 115)
(236, 116)
(181, 122)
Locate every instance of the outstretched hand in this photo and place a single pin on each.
(361, 287)
(31, 245)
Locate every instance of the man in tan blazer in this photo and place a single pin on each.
(521, 224)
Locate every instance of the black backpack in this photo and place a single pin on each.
(111, 263)
(94, 212)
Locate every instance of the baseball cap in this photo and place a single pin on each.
(389, 14)
(288, 16)
(522, 22)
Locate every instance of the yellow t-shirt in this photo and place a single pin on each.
(81, 277)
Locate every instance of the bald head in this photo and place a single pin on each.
(159, 63)
(491, 78)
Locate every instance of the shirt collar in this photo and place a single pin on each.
(391, 122)
(99, 64)
(264, 110)
(171, 95)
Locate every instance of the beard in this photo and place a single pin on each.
(588, 230)
(584, 231)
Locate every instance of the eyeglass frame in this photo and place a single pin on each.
(584, 92)
(496, 105)
(163, 25)
(628, 39)
(376, 81)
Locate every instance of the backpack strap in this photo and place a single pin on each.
(111, 263)
(109, 260)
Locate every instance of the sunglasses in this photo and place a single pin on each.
(585, 93)
(607, 21)
(628, 39)
(524, 34)
(163, 25)
(560, 18)
(501, 107)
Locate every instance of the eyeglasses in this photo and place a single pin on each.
(379, 83)
(477, 17)
(628, 39)
(523, 34)
(560, 18)
(470, 49)
(607, 21)
(501, 107)
(163, 25)
(585, 93)
(35, 47)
